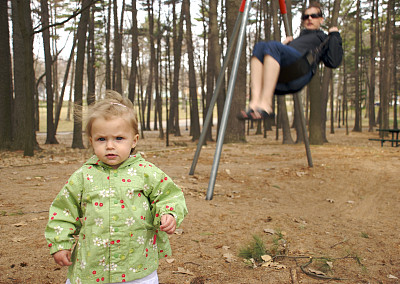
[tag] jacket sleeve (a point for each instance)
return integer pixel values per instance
(165, 197)
(332, 52)
(64, 216)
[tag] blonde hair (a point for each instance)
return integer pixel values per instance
(113, 105)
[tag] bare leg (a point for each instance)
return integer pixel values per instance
(271, 70)
(263, 82)
(264, 77)
(256, 73)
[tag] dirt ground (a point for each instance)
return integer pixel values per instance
(342, 215)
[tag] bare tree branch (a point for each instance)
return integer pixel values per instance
(74, 15)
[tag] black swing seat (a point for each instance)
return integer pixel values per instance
(297, 69)
(306, 63)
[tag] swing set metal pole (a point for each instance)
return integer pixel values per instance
(228, 101)
(217, 91)
(297, 96)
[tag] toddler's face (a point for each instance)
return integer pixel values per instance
(112, 140)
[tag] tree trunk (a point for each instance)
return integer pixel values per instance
(194, 111)
(332, 100)
(134, 54)
(235, 131)
(108, 39)
(149, 89)
(24, 127)
(385, 79)
(212, 55)
(117, 79)
(394, 67)
(371, 101)
(51, 133)
(71, 87)
(177, 39)
(282, 109)
(65, 82)
(77, 141)
(357, 102)
(327, 75)
(6, 91)
(314, 90)
(203, 64)
(91, 57)
(157, 80)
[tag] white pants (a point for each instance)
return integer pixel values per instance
(149, 279)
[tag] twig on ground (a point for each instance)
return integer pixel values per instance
(5, 214)
(293, 275)
(338, 243)
(303, 268)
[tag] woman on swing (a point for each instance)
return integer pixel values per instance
(269, 57)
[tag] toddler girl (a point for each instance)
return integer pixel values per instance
(115, 212)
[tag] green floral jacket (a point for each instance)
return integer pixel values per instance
(112, 217)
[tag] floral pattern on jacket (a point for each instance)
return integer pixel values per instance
(115, 217)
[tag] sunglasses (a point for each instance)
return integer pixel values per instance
(314, 16)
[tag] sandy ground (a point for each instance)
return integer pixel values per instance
(342, 215)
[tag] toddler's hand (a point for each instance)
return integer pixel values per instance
(168, 223)
(63, 257)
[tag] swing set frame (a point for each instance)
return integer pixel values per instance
(238, 36)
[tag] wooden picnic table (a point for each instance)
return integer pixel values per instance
(394, 140)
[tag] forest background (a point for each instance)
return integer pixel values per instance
(166, 56)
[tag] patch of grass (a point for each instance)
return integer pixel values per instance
(279, 244)
(255, 250)
(19, 212)
(357, 258)
(364, 235)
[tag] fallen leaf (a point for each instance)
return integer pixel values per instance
(278, 266)
(251, 261)
(350, 202)
(274, 265)
(269, 231)
(316, 272)
(229, 257)
(20, 224)
(182, 270)
(390, 276)
(330, 264)
(228, 171)
(18, 239)
(170, 260)
(178, 231)
(266, 258)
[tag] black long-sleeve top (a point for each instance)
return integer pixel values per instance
(331, 52)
